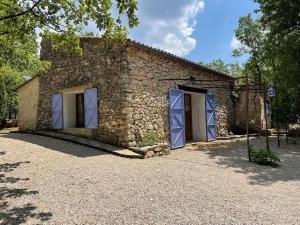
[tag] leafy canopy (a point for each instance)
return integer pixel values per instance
(272, 41)
(233, 69)
(59, 20)
(19, 18)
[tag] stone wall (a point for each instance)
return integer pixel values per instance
(148, 92)
(256, 111)
(104, 66)
(132, 88)
(28, 98)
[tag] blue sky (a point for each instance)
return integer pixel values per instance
(195, 29)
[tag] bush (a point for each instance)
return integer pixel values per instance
(265, 133)
(265, 157)
(149, 139)
(295, 132)
(237, 130)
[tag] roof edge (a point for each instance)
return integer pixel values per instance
(170, 55)
(181, 59)
(26, 82)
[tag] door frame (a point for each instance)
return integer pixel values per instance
(188, 124)
(187, 89)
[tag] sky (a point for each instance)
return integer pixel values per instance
(199, 30)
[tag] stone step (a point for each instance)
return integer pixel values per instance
(118, 151)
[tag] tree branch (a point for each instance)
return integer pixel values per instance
(21, 13)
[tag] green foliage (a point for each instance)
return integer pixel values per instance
(235, 95)
(149, 139)
(218, 65)
(264, 157)
(233, 69)
(273, 44)
(61, 21)
(253, 39)
(294, 132)
(3, 100)
(10, 79)
(67, 18)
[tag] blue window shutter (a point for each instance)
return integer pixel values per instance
(90, 108)
(210, 117)
(176, 117)
(57, 111)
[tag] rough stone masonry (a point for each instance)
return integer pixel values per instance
(132, 82)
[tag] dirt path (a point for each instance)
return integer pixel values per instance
(48, 181)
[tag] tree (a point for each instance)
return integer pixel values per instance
(219, 65)
(273, 44)
(10, 79)
(61, 21)
(281, 18)
(253, 39)
(233, 69)
(67, 18)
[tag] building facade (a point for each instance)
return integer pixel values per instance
(117, 93)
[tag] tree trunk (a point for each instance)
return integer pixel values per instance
(247, 118)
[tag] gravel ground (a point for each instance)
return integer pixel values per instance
(48, 181)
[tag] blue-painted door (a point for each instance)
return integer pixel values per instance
(177, 122)
(57, 111)
(210, 117)
(90, 108)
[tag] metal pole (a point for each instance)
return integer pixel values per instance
(247, 117)
(286, 117)
(277, 117)
(265, 112)
(276, 112)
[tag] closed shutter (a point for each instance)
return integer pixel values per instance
(211, 117)
(177, 122)
(57, 111)
(90, 108)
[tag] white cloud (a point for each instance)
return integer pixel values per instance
(168, 24)
(235, 43)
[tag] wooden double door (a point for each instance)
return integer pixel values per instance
(188, 116)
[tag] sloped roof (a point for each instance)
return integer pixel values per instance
(26, 81)
(171, 56)
(158, 51)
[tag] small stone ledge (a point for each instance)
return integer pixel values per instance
(232, 137)
(152, 151)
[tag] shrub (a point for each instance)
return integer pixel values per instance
(265, 133)
(264, 157)
(238, 130)
(149, 139)
(295, 132)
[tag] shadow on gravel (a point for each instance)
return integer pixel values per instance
(56, 145)
(234, 155)
(14, 215)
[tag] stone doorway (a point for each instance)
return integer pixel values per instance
(195, 116)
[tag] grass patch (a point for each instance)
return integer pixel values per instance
(149, 139)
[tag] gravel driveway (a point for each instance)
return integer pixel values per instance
(48, 181)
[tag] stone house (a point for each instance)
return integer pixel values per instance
(117, 93)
